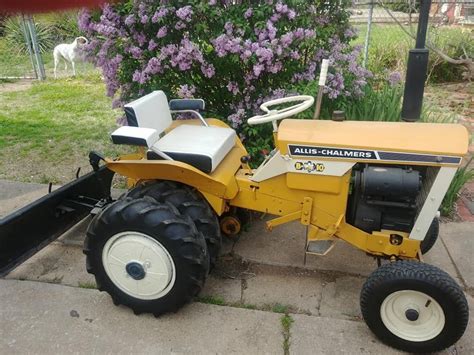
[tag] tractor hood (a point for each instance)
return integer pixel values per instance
(423, 143)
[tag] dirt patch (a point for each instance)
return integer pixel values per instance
(232, 266)
(19, 85)
(455, 99)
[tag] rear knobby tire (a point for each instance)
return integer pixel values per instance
(146, 255)
(189, 203)
(414, 307)
(431, 237)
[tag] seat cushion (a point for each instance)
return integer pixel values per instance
(199, 146)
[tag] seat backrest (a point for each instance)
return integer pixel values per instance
(149, 111)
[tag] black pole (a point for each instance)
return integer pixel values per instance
(416, 69)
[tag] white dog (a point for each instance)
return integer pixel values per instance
(70, 52)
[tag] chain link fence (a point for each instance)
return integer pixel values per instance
(21, 50)
(387, 30)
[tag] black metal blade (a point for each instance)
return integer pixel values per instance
(29, 229)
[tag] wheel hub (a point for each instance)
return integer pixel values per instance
(135, 270)
(230, 225)
(139, 265)
(412, 314)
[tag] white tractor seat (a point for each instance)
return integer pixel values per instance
(203, 147)
(199, 146)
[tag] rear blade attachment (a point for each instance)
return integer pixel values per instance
(31, 228)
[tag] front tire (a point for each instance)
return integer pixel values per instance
(431, 237)
(414, 307)
(146, 255)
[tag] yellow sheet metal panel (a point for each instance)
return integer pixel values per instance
(319, 183)
(218, 204)
(167, 170)
(429, 138)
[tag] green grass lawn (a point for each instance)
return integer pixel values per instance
(47, 129)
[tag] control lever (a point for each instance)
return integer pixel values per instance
(322, 82)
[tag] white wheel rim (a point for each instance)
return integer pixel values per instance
(429, 315)
(139, 265)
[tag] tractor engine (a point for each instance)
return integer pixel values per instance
(384, 197)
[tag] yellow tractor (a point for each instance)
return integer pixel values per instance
(375, 185)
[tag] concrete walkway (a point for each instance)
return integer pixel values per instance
(49, 304)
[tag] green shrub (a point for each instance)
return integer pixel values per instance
(383, 104)
(382, 101)
(63, 25)
(3, 18)
(452, 42)
(389, 46)
(403, 5)
(462, 176)
(14, 34)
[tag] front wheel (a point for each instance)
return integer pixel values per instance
(146, 255)
(431, 237)
(414, 307)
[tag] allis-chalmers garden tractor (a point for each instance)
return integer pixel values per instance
(375, 185)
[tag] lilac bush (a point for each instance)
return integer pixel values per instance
(234, 54)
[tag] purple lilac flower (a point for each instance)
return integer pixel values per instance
(309, 33)
(208, 70)
(186, 91)
(180, 25)
(136, 52)
(350, 33)
(271, 30)
(152, 45)
(116, 103)
(281, 8)
(295, 55)
(257, 69)
(286, 39)
(139, 77)
(322, 20)
(229, 27)
(236, 119)
(144, 19)
(264, 54)
(394, 78)
(84, 20)
(153, 66)
(140, 38)
(275, 67)
(248, 13)
(233, 87)
(212, 2)
(130, 20)
(275, 17)
(298, 33)
(162, 32)
(185, 13)
(162, 12)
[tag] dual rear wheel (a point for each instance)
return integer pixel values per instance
(152, 249)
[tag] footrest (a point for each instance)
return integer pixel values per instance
(320, 247)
